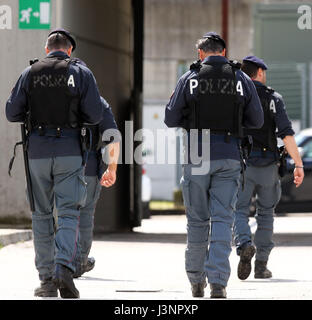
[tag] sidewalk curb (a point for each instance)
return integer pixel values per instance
(15, 236)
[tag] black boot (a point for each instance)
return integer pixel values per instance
(47, 289)
(89, 266)
(217, 291)
(244, 266)
(261, 270)
(198, 289)
(64, 282)
(82, 268)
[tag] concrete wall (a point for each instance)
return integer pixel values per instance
(17, 48)
(172, 28)
(104, 34)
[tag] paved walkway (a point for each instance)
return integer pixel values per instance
(148, 264)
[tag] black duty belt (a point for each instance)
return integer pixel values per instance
(57, 132)
(262, 153)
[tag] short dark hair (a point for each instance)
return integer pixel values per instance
(209, 45)
(250, 69)
(58, 41)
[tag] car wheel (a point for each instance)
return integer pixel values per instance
(146, 210)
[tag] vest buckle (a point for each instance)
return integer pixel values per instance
(227, 138)
(41, 131)
(58, 132)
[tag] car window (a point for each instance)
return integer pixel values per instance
(307, 149)
(300, 138)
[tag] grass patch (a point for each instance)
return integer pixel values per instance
(165, 205)
(161, 205)
(15, 223)
(176, 204)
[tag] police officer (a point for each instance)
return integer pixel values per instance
(213, 95)
(95, 178)
(262, 176)
(55, 96)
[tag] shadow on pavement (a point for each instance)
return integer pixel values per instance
(280, 239)
(142, 237)
(292, 239)
(101, 279)
(275, 280)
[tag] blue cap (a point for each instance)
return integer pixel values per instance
(67, 34)
(257, 61)
(214, 36)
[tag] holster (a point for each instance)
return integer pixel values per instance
(282, 169)
(89, 141)
(84, 145)
(245, 148)
(246, 145)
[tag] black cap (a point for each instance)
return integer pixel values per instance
(257, 61)
(214, 36)
(67, 34)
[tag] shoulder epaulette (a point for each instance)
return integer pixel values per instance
(196, 65)
(236, 64)
(78, 61)
(31, 62)
(271, 90)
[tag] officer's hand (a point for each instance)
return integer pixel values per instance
(298, 176)
(109, 178)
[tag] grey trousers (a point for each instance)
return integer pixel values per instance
(265, 182)
(210, 201)
(56, 180)
(87, 218)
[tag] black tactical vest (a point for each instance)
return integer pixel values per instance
(216, 106)
(51, 103)
(265, 138)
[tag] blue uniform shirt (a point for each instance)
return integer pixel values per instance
(247, 95)
(94, 165)
(283, 126)
(90, 107)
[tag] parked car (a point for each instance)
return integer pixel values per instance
(298, 199)
(146, 194)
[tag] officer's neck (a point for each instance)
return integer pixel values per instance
(57, 51)
(259, 80)
(203, 55)
(58, 54)
(211, 55)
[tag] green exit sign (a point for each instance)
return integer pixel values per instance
(34, 14)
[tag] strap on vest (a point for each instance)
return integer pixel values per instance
(227, 138)
(196, 65)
